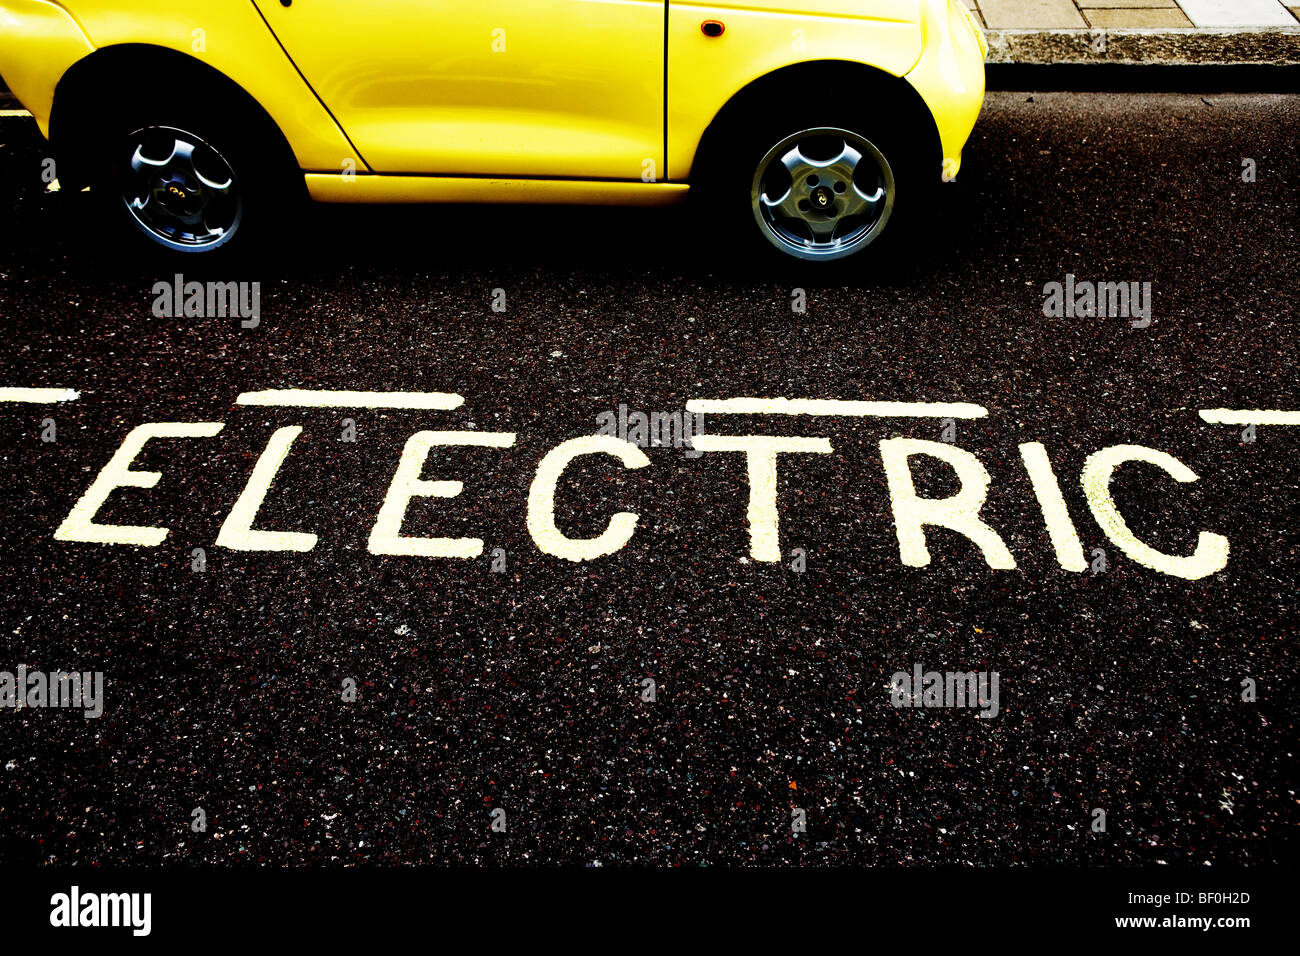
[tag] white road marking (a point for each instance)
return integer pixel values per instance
(80, 523)
(39, 396)
(238, 533)
(1211, 554)
(959, 512)
(328, 398)
(1056, 515)
(14, 113)
(760, 459)
(541, 500)
(386, 537)
(1249, 416)
(834, 406)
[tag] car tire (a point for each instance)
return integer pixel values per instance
(193, 176)
(817, 186)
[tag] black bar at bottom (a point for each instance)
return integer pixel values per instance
(953, 906)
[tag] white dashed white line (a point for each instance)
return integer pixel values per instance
(1249, 416)
(325, 398)
(38, 396)
(834, 407)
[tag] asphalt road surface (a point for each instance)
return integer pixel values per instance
(516, 681)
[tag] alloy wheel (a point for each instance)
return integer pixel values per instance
(180, 190)
(823, 193)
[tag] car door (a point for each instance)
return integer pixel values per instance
(533, 88)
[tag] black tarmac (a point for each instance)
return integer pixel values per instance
(522, 691)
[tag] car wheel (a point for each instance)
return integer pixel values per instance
(822, 193)
(817, 187)
(195, 176)
(178, 189)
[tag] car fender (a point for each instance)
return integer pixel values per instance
(39, 42)
(762, 37)
(233, 39)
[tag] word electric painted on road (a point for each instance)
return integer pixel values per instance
(913, 514)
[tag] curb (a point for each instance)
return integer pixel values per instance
(1146, 47)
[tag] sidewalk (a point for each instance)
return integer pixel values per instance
(1202, 32)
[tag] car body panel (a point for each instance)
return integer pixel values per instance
(763, 36)
(546, 88)
(39, 42)
(950, 75)
(228, 35)
(327, 187)
(611, 97)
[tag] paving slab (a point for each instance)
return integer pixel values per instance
(1139, 18)
(1031, 14)
(1237, 13)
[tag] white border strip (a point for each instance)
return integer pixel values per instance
(834, 406)
(39, 396)
(1258, 416)
(326, 398)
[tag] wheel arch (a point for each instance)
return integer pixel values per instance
(903, 100)
(87, 91)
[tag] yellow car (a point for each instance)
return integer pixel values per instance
(815, 124)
